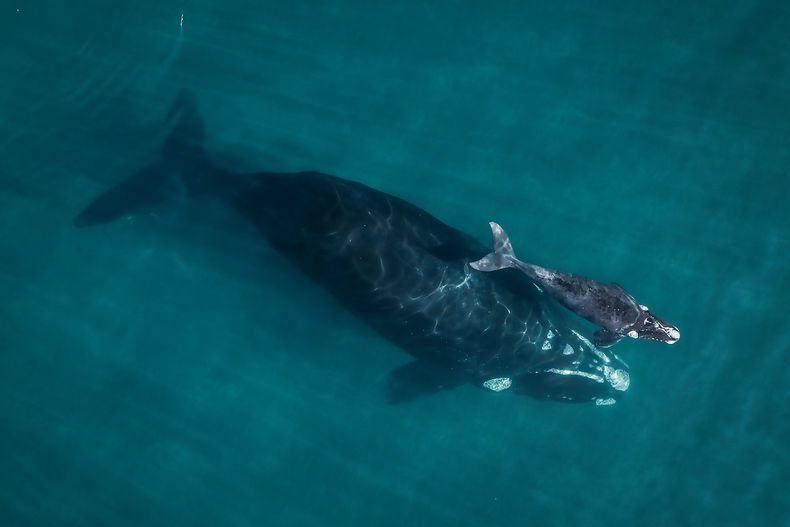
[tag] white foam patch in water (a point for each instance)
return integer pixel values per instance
(619, 379)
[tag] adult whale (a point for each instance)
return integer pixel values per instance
(395, 266)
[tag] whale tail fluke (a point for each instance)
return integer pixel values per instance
(501, 257)
(183, 171)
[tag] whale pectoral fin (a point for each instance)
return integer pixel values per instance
(420, 378)
(603, 338)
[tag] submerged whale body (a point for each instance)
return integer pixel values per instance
(396, 267)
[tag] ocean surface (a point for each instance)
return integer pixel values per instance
(175, 370)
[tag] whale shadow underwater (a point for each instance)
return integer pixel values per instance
(395, 266)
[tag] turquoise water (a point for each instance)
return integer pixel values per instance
(177, 371)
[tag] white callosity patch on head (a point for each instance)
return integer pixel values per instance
(643, 308)
(550, 334)
(619, 379)
(498, 384)
(584, 340)
(577, 373)
(546, 345)
(601, 355)
(604, 402)
(633, 334)
(568, 350)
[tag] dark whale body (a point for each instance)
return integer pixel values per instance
(398, 268)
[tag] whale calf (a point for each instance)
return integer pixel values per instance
(395, 266)
(607, 305)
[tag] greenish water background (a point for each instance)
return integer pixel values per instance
(176, 371)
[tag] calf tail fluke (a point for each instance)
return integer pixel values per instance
(502, 256)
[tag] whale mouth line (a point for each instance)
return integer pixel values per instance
(658, 338)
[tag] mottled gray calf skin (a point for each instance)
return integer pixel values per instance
(606, 305)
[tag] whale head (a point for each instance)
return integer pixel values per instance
(650, 327)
